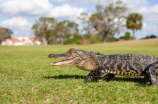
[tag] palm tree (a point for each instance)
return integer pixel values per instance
(134, 22)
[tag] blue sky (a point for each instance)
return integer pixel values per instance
(153, 2)
(20, 15)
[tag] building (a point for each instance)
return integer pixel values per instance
(19, 41)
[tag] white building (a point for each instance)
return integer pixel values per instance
(20, 41)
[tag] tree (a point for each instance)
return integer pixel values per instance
(43, 29)
(5, 33)
(127, 36)
(65, 30)
(108, 20)
(87, 27)
(134, 22)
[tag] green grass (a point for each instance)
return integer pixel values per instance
(26, 76)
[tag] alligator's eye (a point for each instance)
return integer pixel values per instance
(71, 51)
(79, 52)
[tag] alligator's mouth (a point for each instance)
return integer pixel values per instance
(62, 62)
(67, 60)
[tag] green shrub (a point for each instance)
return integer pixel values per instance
(127, 36)
(111, 39)
(69, 41)
(96, 39)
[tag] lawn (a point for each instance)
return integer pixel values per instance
(26, 76)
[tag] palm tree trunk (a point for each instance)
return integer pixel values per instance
(133, 34)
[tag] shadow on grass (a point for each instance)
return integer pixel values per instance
(122, 79)
(65, 77)
(95, 79)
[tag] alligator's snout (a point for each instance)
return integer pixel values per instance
(50, 55)
(63, 56)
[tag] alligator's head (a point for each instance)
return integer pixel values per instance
(76, 57)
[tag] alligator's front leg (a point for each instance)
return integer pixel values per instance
(151, 73)
(98, 72)
(107, 77)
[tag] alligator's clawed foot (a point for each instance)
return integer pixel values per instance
(87, 78)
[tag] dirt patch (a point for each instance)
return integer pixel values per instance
(133, 42)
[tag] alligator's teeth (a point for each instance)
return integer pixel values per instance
(62, 63)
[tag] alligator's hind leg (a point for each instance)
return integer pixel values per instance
(151, 73)
(98, 72)
(107, 77)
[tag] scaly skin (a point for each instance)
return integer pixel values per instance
(118, 64)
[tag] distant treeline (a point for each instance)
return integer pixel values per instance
(101, 26)
(150, 36)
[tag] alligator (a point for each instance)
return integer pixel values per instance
(114, 64)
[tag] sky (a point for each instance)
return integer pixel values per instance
(20, 15)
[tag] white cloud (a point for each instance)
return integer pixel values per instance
(25, 7)
(16, 22)
(19, 11)
(76, 2)
(144, 25)
(135, 4)
(19, 26)
(66, 11)
(149, 12)
(37, 8)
